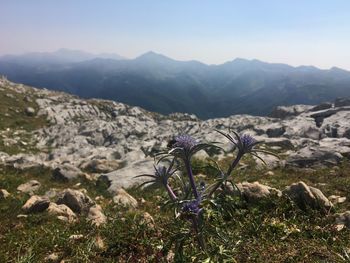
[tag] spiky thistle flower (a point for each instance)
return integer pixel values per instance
(192, 207)
(184, 147)
(161, 178)
(245, 143)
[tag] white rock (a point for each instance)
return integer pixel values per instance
(96, 215)
(307, 196)
(29, 187)
(124, 199)
(62, 211)
(4, 194)
(36, 204)
(75, 200)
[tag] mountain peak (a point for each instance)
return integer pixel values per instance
(151, 55)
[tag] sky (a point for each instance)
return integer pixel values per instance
(296, 32)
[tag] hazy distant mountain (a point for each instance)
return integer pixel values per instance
(61, 56)
(159, 83)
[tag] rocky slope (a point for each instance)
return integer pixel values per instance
(119, 141)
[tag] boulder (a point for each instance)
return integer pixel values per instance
(96, 215)
(271, 161)
(101, 166)
(253, 192)
(124, 199)
(4, 194)
(62, 211)
(125, 177)
(29, 187)
(314, 157)
(66, 173)
(275, 132)
(307, 196)
(75, 200)
(36, 204)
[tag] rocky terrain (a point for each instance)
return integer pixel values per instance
(120, 141)
(59, 151)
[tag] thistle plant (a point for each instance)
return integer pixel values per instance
(191, 196)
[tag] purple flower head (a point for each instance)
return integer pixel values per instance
(185, 142)
(192, 207)
(247, 141)
(162, 174)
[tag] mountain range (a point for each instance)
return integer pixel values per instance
(161, 84)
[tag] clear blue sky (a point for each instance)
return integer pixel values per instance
(308, 32)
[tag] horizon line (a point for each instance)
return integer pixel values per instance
(166, 56)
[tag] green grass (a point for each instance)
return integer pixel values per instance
(274, 230)
(271, 231)
(13, 118)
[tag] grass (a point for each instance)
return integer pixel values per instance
(271, 231)
(15, 123)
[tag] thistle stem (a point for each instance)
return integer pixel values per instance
(191, 178)
(234, 164)
(171, 192)
(228, 173)
(199, 234)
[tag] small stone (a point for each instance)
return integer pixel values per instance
(29, 111)
(342, 220)
(65, 173)
(61, 210)
(96, 215)
(76, 237)
(147, 219)
(336, 199)
(99, 198)
(124, 199)
(4, 194)
(99, 243)
(36, 204)
(307, 196)
(253, 192)
(75, 200)
(52, 193)
(22, 216)
(87, 177)
(29, 187)
(54, 257)
(269, 173)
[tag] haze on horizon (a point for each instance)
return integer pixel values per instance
(298, 32)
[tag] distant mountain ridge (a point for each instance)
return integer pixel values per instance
(159, 83)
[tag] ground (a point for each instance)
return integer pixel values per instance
(272, 231)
